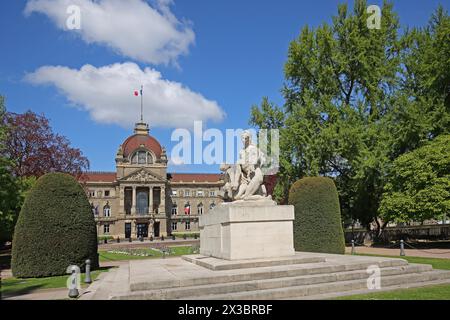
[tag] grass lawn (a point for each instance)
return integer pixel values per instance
(437, 292)
(437, 263)
(15, 286)
(147, 253)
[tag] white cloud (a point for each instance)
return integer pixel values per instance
(107, 94)
(132, 28)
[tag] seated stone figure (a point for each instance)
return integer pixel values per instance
(244, 180)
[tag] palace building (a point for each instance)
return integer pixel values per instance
(141, 199)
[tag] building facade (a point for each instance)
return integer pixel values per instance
(141, 199)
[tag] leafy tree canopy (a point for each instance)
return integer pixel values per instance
(356, 99)
(419, 184)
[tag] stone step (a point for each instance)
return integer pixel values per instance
(263, 273)
(270, 283)
(221, 264)
(297, 292)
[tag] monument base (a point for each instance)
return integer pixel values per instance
(247, 230)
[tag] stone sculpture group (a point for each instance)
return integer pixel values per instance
(244, 180)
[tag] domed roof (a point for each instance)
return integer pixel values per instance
(141, 138)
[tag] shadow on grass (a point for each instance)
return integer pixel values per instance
(13, 292)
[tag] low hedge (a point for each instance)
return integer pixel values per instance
(186, 234)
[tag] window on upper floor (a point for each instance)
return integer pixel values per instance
(94, 209)
(99, 194)
(107, 211)
(199, 193)
(106, 228)
(91, 193)
(212, 205)
(174, 210)
(200, 209)
(142, 157)
(174, 192)
(107, 193)
(212, 193)
(187, 193)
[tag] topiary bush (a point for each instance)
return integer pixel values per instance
(317, 224)
(55, 229)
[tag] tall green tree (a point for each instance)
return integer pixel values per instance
(356, 99)
(10, 197)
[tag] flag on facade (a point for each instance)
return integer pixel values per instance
(187, 210)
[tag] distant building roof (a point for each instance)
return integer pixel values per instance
(99, 176)
(135, 141)
(196, 177)
(175, 177)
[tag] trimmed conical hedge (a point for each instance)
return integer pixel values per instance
(55, 229)
(317, 225)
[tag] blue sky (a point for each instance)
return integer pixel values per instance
(236, 59)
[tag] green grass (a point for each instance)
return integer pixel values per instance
(437, 292)
(437, 263)
(16, 286)
(113, 256)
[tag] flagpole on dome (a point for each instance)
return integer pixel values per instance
(142, 104)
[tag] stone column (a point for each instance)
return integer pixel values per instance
(162, 204)
(150, 204)
(121, 200)
(133, 205)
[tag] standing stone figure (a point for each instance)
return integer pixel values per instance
(244, 180)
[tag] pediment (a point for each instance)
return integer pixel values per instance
(142, 175)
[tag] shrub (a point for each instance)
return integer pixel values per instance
(317, 225)
(55, 229)
(187, 234)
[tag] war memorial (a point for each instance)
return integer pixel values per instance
(247, 253)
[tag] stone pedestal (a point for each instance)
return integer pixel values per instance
(247, 230)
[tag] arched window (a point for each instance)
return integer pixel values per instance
(200, 209)
(107, 210)
(212, 205)
(142, 157)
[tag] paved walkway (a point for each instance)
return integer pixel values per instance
(425, 253)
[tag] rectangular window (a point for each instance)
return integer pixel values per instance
(187, 193)
(106, 228)
(200, 193)
(200, 210)
(174, 192)
(91, 194)
(107, 193)
(188, 225)
(212, 193)
(174, 226)
(174, 210)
